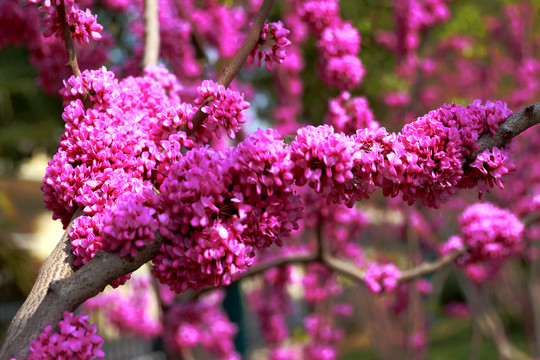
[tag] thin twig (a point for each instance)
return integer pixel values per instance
(427, 268)
(70, 49)
(236, 64)
(151, 33)
(261, 268)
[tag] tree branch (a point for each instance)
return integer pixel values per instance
(427, 268)
(514, 125)
(423, 269)
(236, 64)
(70, 49)
(151, 33)
(59, 288)
(56, 267)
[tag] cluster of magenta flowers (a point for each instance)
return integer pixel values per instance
(135, 173)
(381, 277)
(347, 114)
(491, 236)
(271, 46)
(225, 111)
(216, 208)
(201, 324)
(131, 309)
(76, 338)
(338, 43)
(424, 162)
(83, 24)
(113, 155)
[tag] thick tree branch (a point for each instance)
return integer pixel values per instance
(236, 64)
(59, 288)
(151, 33)
(58, 266)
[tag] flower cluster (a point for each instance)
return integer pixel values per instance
(75, 339)
(347, 114)
(219, 207)
(491, 235)
(111, 154)
(338, 43)
(201, 323)
(202, 224)
(379, 277)
(318, 14)
(225, 111)
(130, 224)
(324, 160)
(261, 167)
(271, 46)
(83, 24)
(324, 338)
(129, 310)
(425, 161)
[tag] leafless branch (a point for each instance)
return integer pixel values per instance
(151, 33)
(514, 125)
(236, 64)
(70, 49)
(427, 268)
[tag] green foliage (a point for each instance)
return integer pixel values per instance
(29, 118)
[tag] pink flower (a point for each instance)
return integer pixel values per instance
(339, 39)
(271, 46)
(75, 339)
(130, 224)
(491, 234)
(348, 114)
(344, 73)
(379, 277)
(225, 110)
